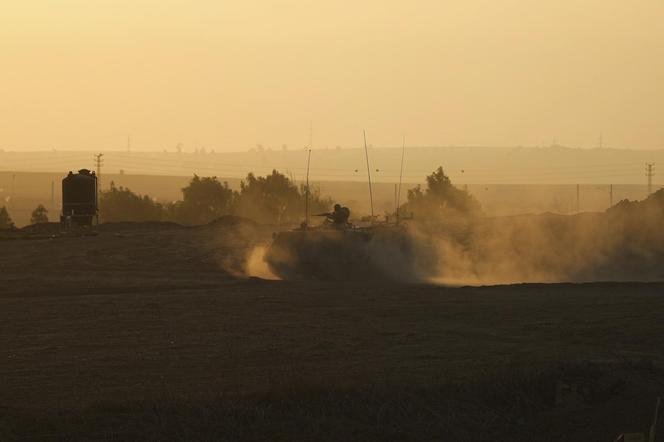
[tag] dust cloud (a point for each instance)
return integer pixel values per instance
(625, 243)
(239, 245)
(256, 266)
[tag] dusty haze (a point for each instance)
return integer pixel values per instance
(516, 295)
(80, 74)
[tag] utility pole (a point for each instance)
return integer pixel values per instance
(99, 161)
(306, 196)
(52, 196)
(306, 190)
(398, 202)
(649, 173)
(610, 195)
(366, 153)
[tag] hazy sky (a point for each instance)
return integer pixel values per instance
(228, 75)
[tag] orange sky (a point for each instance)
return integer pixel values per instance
(227, 75)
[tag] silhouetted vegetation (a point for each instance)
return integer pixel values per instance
(272, 199)
(5, 220)
(121, 204)
(651, 206)
(39, 215)
(440, 198)
(276, 199)
(203, 200)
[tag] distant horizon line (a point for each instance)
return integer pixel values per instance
(381, 182)
(279, 150)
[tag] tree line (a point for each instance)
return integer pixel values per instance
(272, 199)
(39, 215)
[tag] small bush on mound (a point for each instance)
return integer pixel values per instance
(6, 222)
(39, 215)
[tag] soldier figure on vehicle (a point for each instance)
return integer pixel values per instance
(339, 217)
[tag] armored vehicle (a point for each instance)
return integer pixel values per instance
(376, 252)
(339, 250)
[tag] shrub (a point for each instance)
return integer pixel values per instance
(121, 204)
(5, 220)
(39, 215)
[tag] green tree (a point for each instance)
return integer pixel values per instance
(440, 198)
(121, 204)
(204, 199)
(5, 220)
(39, 215)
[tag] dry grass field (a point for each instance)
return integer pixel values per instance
(145, 332)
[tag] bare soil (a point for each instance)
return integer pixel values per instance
(142, 333)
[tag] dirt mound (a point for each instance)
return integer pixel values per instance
(232, 221)
(651, 206)
(139, 226)
(42, 228)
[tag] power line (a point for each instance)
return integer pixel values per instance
(157, 164)
(605, 170)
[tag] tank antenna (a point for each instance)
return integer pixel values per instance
(403, 152)
(366, 153)
(306, 191)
